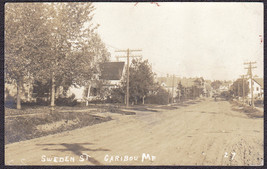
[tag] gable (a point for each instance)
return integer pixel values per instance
(111, 70)
(259, 81)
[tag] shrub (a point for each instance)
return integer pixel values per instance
(226, 95)
(161, 97)
(117, 96)
(66, 101)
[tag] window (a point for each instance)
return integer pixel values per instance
(257, 88)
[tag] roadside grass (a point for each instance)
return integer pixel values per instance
(116, 109)
(32, 110)
(249, 111)
(38, 121)
(21, 128)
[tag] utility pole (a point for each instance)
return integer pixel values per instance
(250, 67)
(172, 87)
(128, 63)
(243, 88)
(238, 90)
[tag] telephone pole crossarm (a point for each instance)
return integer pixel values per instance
(130, 56)
(130, 50)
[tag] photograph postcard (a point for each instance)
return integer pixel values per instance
(134, 83)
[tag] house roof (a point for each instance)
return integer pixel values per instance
(170, 81)
(111, 70)
(259, 81)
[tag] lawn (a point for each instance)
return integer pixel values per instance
(36, 122)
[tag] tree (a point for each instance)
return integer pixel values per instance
(180, 92)
(237, 88)
(216, 84)
(23, 33)
(141, 80)
(78, 50)
(158, 95)
(53, 42)
(63, 55)
(198, 87)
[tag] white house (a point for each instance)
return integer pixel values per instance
(258, 88)
(111, 73)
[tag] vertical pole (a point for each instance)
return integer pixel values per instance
(18, 93)
(127, 96)
(251, 81)
(53, 91)
(252, 97)
(172, 87)
(88, 94)
(243, 87)
(238, 89)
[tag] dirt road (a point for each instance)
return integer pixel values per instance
(205, 133)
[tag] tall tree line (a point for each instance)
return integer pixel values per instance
(52, 42)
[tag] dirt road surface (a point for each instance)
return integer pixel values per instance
(205, 133)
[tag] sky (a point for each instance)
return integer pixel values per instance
(210, 40)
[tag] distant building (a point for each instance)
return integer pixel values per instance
(258, 88)
(170, 83)
(225, 86)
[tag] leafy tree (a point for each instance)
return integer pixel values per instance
(237, 88)
(180, 92)
(158, 95)
(141, 81)
(198, 87)
(227, 94)
(23, 39)
(117, 95)
(216, 84)
(192, 92)
(53, 42)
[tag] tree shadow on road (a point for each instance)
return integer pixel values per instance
(76, 148)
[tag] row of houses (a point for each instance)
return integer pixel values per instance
(169, 83)
(111, 74)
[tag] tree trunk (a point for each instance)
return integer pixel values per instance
(53, 86)
(88, 95)
(19, 83)
(144, 99)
